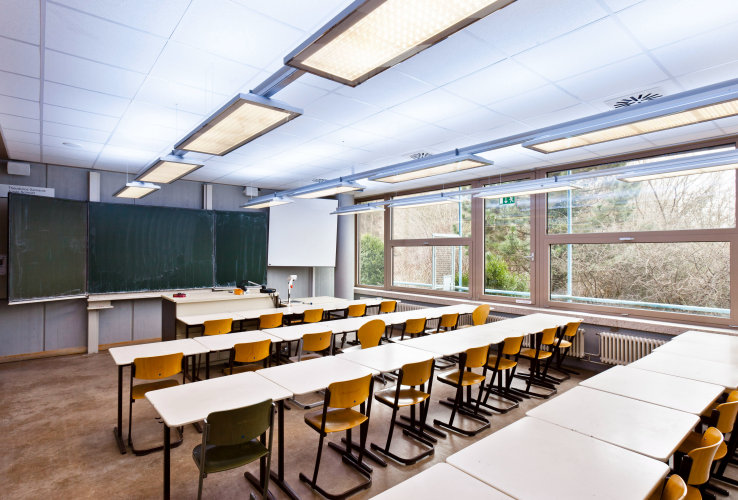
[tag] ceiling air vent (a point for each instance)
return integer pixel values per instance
(318, 180)
(418, 156)
(635, 98)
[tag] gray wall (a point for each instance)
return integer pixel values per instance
(49, 326)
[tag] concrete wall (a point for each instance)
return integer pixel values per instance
(51, 326)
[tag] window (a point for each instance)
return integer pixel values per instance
(431, 267)
(441, 220)
(370, 229)
(507, 252)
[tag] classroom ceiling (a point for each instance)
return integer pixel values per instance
(113, 84)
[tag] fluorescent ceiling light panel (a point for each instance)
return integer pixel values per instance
(358, 209)
(271, 201)
(684, 166)
(422, 201)
(524, 189)
(370, 36)
(137, 189)
(318, 191)
(168, 169)
(424, 168)
(241, 120)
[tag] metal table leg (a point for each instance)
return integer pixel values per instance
(118, 431)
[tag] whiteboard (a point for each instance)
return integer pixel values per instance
(303, 234)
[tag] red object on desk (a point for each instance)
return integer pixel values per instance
(180, 295)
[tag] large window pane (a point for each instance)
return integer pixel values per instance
(507, 253)
(689, 278)
(442, 220)
(432, 268)
(370, 228)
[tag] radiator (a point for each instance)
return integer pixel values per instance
(620, 349)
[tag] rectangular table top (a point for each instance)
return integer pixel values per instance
(532, 459)
(126, 354)
(386, 357)
(439, 482)
(711, 339)
(645, 428)
(679, 393)
(446, 343)
(188, 403)
(722, 374)
(702, 351)
(228, 340)
(314, 374)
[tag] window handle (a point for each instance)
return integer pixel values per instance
(532, 257)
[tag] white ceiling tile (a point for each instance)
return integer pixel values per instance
(149, 138)
(120, 159)
(19, 123)
(78, 133)
(86, 74)
(339, 109)
(536, 102)
(235, 32)
(11, 135)
(455, 57)
(616, 5)
(196, 68)
(298, 94)
(496, 82)
(84, 147)
(23, 151)
(352, 137)
(433, 106)
(387, 89)
(473, 121)
(93, 38)
(309, 128)
(158, 17)
(166, 93)
(598, 44)
(19, 57)
(428, 134)
(388, 124)
(708, 76)
(20, 86)
(79, 118)
(60, 156)
(307, 16)
(677, 19)
(21, 20)
(321, 83)
(142, 114)
(525, 24)
(19, 107)
(275, 140)
(559, 116)
(700, 52)
(84, 100)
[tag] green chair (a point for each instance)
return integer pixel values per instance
(233, 438)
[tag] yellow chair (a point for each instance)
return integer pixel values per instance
(356, 311)
(448, 322)
(314, 343)
(413, 327)
(217, 326)
(674, 489)
(695, 466)
(563, 345)
(465, 378)
(387, 306)
(505, 362)
(159, 369)
(273, 320)
(538, 370)
(479, 316)
(370, 333)
(410, 376)
(338, 415)
(248, 353)
(312, 316)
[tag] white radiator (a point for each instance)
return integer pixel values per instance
(620, 349)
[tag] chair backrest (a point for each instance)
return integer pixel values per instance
(356, 310)
(312, 316)
(273, 320)
(349, 393)
(251, 352)
(370, 333)
(675, 488)
(728, 412)
(548, 336)
(512, 345)
(572, 328)
(702, 457)
(414, 374)
(240, 425)
(479, 316)
(217, 326)
(317, 341)
(415, 326)
(476, 356)
(449, 320)
(156, 367)
(387, 306)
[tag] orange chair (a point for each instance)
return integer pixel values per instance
(448, 322)
(312, 316)
(479, 316)
(387, 306)
(217, 326)
(505, 362)
(674, 489)
(356, 311)
(273, 320)
(369, 334)
(248, 353)
(413, 327)
(695, 466)
(315, 344)
(562, 346)
(538, 370)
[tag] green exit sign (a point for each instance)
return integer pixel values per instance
(507, 200)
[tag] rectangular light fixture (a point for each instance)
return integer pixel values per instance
(687, 166)
(137, 189)
(370, 36)
(419, 169)
(687, 108)
(358, 209)
(329, 189)
(241, 120)
(168, 169)
(422, 201)
(525, 188)
(268, 201)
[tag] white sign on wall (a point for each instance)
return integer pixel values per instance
(34, 190)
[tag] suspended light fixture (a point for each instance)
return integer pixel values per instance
(525, 188)
(429, 167)
(137, 189)
(268, 201)
(370, 36)
(241, 120)
(168, 169)
(358, 209)
(684, 166)
(421, 201)
(329, 188)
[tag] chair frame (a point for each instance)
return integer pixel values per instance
(502, 391)
(293, 399)
(536, 376)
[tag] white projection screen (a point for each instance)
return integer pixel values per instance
(303, 234)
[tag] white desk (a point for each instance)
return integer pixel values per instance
(679, 393)
(296, 332)
(446, 343)
(441, 482)
(386, 357)
(186, 404)
(226, 341)
(645, 428)
(709, 339)
(533, 459)
(124, 356)
(701, 351)
(692, 368)
(314, 374)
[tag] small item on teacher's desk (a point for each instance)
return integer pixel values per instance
(238, 291)
(179, 295)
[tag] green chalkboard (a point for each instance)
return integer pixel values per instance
(47, 247)
(138, 248)
(240, 247)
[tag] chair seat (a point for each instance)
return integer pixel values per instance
(140, 390)
(337, 419)
(505, 364)
(564, 344)
(453, 377)
(531, 353)
(220, 458)
(694, 440)
(408, 397)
